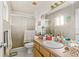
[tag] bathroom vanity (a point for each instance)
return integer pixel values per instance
(40, 50)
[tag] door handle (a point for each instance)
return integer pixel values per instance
(3, 45)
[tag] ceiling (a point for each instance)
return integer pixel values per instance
(28, 7)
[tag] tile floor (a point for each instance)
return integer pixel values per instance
(22, 52)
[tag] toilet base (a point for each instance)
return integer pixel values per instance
(30, 50)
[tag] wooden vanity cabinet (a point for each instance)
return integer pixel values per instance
(44, 52)
(40, 51)
(36, 53)
(36, 46)
(52, 54)
(36, 49)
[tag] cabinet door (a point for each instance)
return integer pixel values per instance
(36, 46)
(36, 53)
(44, 52)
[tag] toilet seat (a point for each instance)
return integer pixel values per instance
(28, 45)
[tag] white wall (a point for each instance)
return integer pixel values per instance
(1, 29)
(77, 24)
(5, 25)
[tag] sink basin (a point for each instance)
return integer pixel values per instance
(53, 44)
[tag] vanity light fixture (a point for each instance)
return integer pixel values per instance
(56, 4)
(34, 3)
(52, 7)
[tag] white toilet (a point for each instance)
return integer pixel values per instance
(28, 37)
(29, 47)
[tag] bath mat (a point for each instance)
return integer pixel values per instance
(13, 54)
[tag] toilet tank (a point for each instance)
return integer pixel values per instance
(29, 35)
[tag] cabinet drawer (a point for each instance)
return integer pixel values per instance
(44, 52)
(36, 53)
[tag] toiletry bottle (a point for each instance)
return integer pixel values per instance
(62, 39)
(44, 37)
(49, 37)
(53, 37)
(58, 37)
